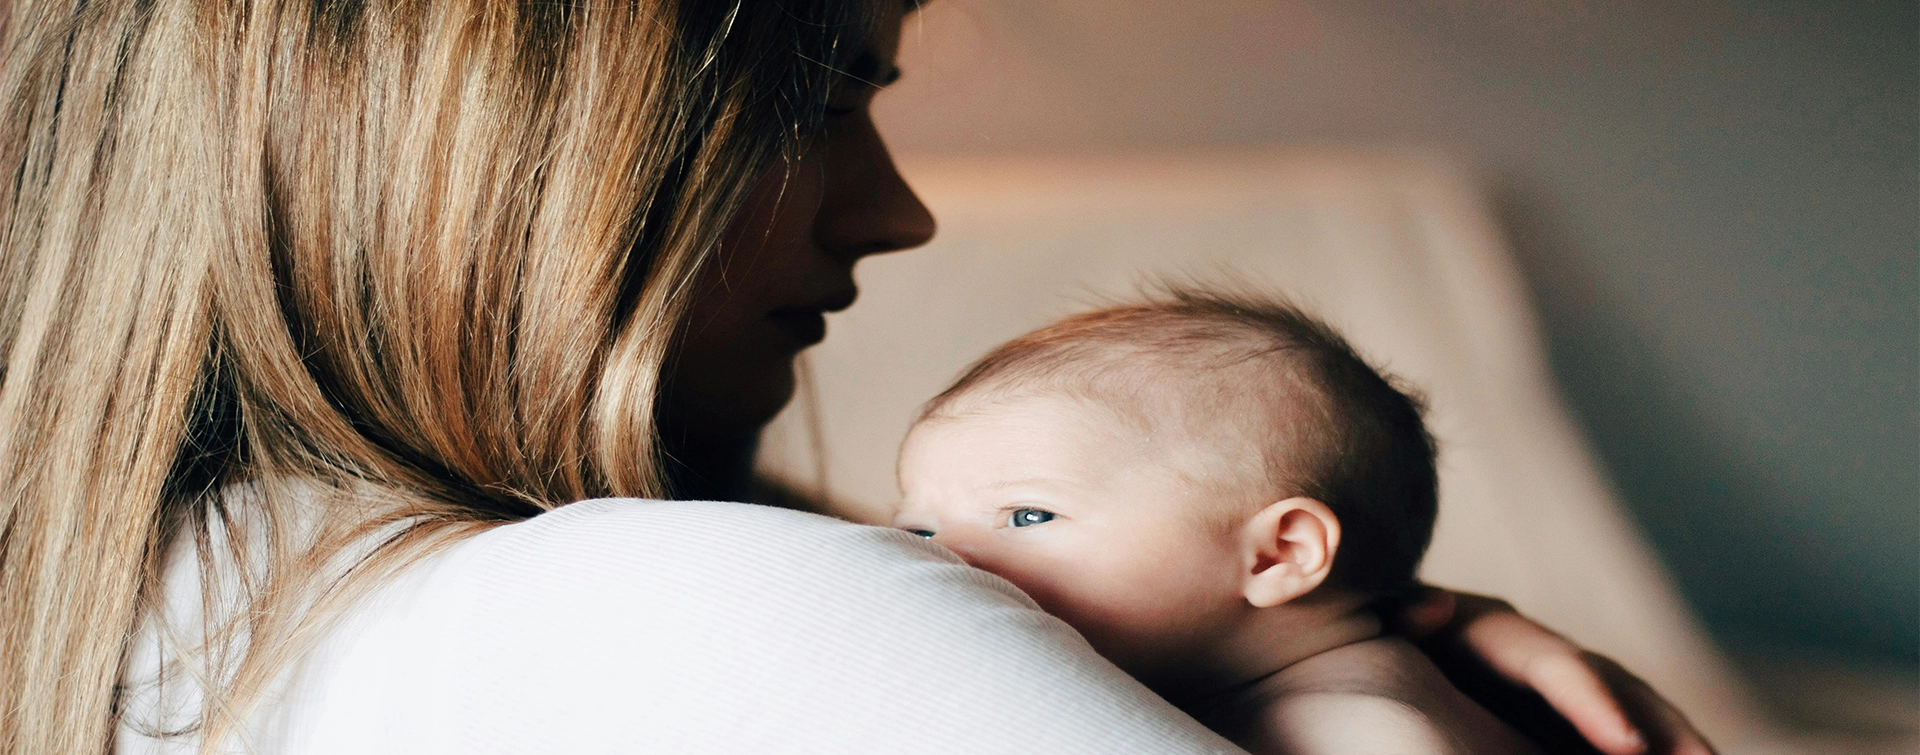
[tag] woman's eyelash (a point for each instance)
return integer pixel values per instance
(845, 105)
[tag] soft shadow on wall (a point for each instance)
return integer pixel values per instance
(1715, 203)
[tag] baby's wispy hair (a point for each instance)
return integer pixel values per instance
(1341, 431)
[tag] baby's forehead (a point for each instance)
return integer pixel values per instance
(1176, 414)
(1205, 384)
(1031, 414)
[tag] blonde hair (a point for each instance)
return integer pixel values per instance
(427, 257)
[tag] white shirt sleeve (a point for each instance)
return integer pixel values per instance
(623, 626)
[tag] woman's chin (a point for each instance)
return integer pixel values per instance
(728, 403)
(752, 413)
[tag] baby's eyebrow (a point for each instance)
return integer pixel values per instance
(1024, 482)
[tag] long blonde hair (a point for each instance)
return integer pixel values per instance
(427, 255)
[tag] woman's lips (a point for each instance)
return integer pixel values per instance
(807, 324)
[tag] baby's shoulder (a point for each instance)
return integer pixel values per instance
(1350, 723)
(1381, 697)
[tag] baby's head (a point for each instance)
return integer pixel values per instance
(1156, 474)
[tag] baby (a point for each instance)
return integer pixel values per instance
(1214, 491)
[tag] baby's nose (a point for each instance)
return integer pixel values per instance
(908, 518)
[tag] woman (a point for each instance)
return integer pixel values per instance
(311, 310)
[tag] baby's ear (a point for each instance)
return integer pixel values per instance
(1288, 550)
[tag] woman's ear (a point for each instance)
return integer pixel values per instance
(1289, 550)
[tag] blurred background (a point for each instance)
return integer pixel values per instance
(1715, 207)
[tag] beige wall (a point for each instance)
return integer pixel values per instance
(1715, 204)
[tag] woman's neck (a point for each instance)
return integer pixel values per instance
(709, 469)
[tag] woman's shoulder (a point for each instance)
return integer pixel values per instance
(629, 545)
(626, 625)
(693, 573)
(690, 527)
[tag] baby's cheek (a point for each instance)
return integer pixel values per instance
(1161, 598)
(1166, 608)
(1140, 601)
(1129, 614)
(1071, 588)
(1104, 617)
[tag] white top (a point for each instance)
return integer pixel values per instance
(666, 627)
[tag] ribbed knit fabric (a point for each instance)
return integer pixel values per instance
(626, 626)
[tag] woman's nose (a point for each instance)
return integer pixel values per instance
(866, 207)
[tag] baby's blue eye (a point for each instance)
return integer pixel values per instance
(1030, 517)
(922, 533)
